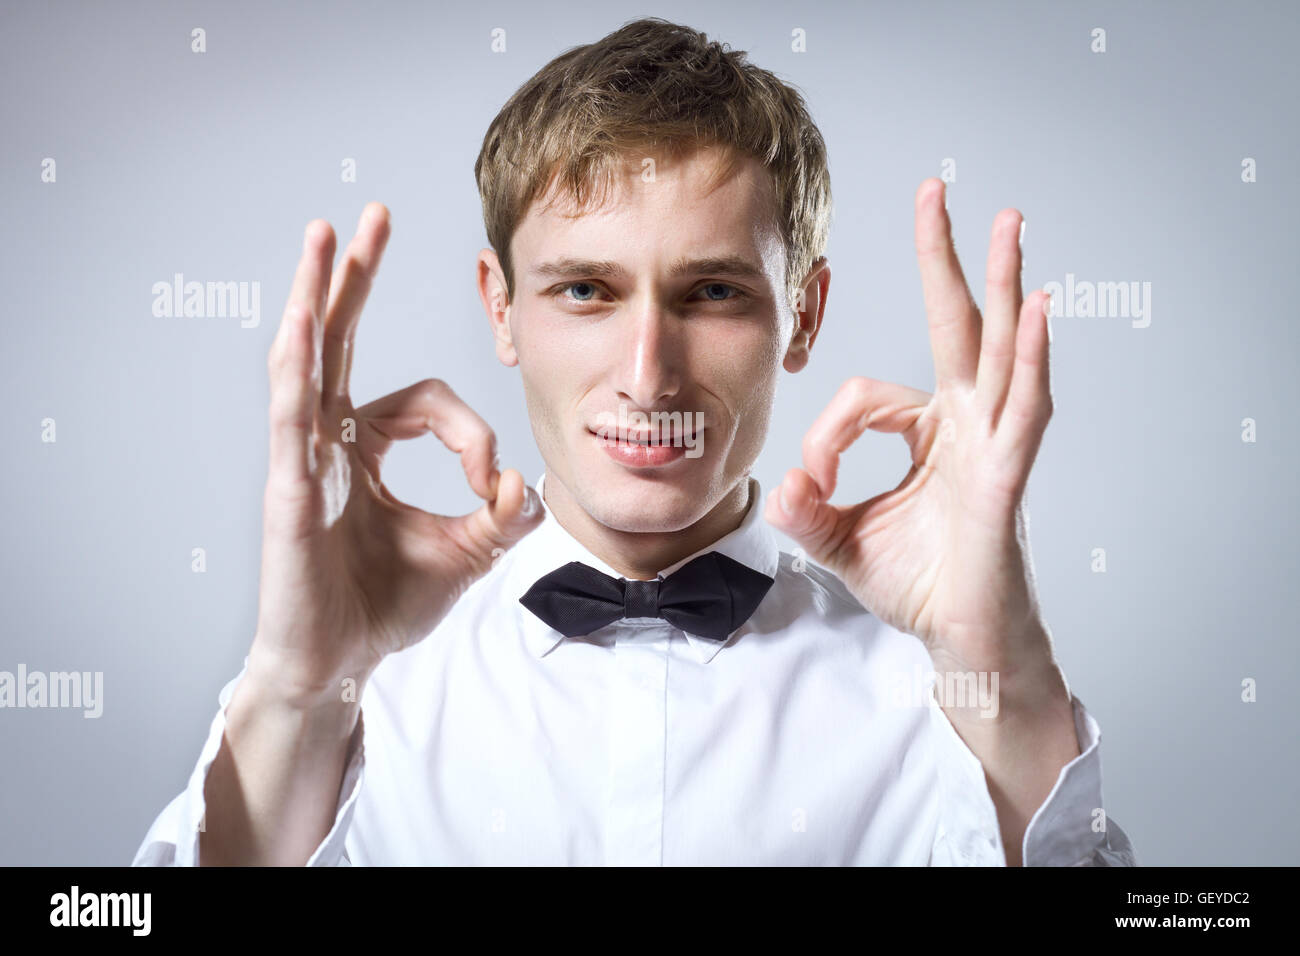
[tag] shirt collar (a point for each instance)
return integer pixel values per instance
(550, 546)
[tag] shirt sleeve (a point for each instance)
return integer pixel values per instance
(173, 839)
(1070, 828)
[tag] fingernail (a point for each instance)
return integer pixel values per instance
(532, 503)
(785, 504)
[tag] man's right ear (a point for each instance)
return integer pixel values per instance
(496, 302)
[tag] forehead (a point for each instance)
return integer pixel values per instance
(691, 203)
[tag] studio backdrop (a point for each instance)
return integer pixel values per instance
(150, 145)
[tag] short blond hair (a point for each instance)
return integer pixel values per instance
(658, 86)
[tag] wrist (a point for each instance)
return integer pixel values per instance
(283, 681)
(271, 726)
(1037, 684)
(1011, 678)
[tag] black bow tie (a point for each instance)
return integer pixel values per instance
(711, 596)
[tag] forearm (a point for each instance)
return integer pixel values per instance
(1023, 747)
(272, 791)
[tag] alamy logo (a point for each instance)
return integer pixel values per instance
(673, 429)
(1082, 299)
(208, 300)
(102, 909)
(961, 690)
(73, 689)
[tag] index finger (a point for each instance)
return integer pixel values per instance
(432, 406)
(860, 403)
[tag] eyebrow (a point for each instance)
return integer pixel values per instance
(605, 268)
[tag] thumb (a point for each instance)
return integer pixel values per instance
(503, 521)
(796, 508)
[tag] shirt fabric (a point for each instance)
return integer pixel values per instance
(809, 737)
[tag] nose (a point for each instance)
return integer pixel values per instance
(650, 373)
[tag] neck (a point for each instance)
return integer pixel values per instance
(639, 555)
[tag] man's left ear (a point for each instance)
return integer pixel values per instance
(808, 310)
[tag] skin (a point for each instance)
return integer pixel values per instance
(351, 574)
(707, 344)
(944, 555)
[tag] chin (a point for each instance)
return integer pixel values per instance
(645, 501)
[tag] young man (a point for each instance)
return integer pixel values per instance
(621, 667)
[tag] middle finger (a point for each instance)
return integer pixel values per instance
(348, 292)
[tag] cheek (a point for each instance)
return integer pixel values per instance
(541, 357)
(744, 368)
(535, 374)
(553, 372)
(755, 409)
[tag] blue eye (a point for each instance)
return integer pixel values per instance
(713, 292)
(724, 287)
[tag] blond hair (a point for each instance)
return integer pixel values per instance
(660, 86)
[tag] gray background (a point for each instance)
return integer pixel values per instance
(1126, 166)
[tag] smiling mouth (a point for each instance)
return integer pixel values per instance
(647, 438)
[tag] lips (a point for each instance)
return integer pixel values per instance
(641, 455)
(647, 438)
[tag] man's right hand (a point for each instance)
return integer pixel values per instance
(350, 574)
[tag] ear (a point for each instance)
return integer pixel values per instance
(496, 302)
(808, 311)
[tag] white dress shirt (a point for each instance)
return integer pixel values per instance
(809, 737)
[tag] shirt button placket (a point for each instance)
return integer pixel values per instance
(638, 723)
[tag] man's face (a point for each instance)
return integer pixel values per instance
(663, 300)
